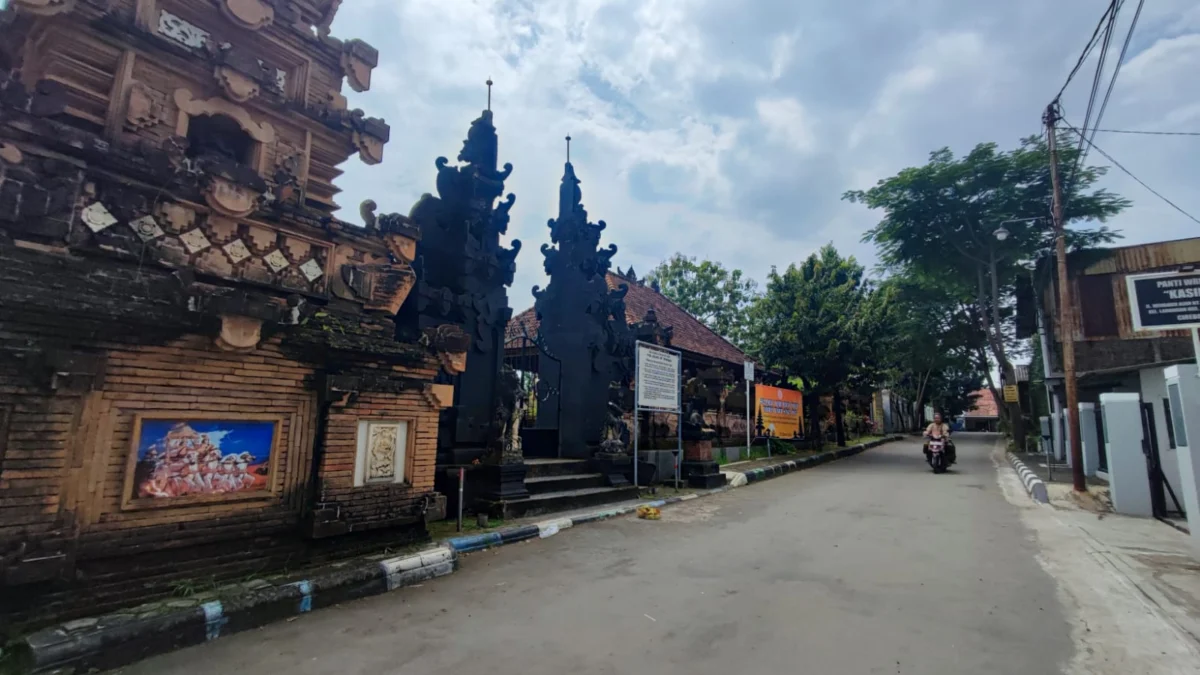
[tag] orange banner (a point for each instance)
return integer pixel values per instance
(781, 411)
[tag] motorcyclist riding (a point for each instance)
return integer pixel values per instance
(939, 429)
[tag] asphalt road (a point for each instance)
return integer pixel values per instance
(871, 564)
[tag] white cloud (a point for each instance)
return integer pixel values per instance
(756, 117)
(787, 121)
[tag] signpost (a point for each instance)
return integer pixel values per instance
(1166, 301)
(749, 374)
(658, 383)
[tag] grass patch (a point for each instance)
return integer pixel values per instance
(446, 529)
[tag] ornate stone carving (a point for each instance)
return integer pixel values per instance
(236, 86)
(249, 14)
(44, 7)
(146, 228)
(276, 260)
(186, 34)
(237, 251)
(370, 149)
(230, 199)
(358, 59)
(311, 269)
(451, 344)
(327, 19)
(144, 109)
(194, 240)
(239, 333)
(381, 451)
(97, 217)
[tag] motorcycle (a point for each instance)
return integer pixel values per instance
(938, 457)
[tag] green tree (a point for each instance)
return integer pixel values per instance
(813, 321)
(942, 220)
(708, 291)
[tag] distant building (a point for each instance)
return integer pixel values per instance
(984, 415)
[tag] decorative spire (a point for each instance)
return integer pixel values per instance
(568, 148)
(489, 86)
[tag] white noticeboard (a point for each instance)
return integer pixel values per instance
(749, 371)
(658, 373)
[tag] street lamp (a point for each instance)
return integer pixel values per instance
(1001, 233)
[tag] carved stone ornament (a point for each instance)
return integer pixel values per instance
(276, 260)
(250, 14)
(143, 110)
(370, 149)
(194, 240)
(186, 34)
(239, 333)
(237, 251)
(311, 270)
(451, 344)
(236, 86)
(146, 228)
(358, 59)
(230, 199)
(96, 217)
(44, 7)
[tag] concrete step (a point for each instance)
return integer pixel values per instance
(575, 481)
(565, 500)
(541, 468)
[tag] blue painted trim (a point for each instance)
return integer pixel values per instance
(214, 618)
(305, 595)
(476, 542)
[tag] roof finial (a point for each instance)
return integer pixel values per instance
(489, 85)
(568, 148)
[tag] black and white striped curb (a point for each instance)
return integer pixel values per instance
(740, 478)
(1033, 484)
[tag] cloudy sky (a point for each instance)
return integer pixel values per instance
(729, 130)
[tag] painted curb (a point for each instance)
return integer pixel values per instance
(122, 638)
(740, 478)
(1033, 485)
(118, 639)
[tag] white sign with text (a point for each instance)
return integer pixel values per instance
(658, 378)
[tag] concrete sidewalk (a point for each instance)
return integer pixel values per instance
(1131, 586)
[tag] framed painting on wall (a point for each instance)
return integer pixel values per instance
(176, 459)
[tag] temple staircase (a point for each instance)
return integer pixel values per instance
(565, 484)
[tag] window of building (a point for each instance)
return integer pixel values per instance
(1176, 404)
(382, 452)
(1170, 423)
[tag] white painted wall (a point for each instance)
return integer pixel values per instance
(1154, 390)
(1129, 481)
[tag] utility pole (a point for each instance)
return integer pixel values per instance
(1066, 334)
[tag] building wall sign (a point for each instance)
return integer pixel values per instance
(1164, 301)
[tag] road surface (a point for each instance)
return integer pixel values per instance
(870, 564)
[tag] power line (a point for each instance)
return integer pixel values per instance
(1116, 71)
(1087, 49)
(1129, 173)
(1146, 133)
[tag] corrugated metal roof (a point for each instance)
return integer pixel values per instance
(1147, 257)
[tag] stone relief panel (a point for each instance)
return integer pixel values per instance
(382, 451)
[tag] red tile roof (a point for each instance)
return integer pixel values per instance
(690, 334)
(985, 405)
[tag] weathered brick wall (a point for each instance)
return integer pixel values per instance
(373, 506)
(62, 475)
